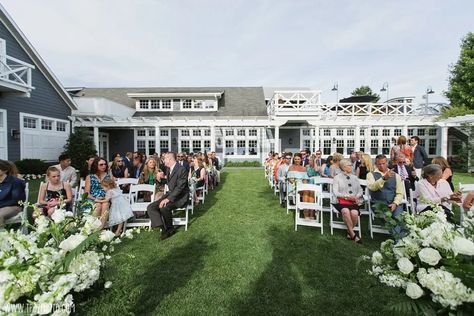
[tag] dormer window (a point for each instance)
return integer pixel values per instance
(176, 101)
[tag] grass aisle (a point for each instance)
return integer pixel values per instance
(240, 256)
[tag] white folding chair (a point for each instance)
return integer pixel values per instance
(140, 206)
(290, 197)
(412, 202)
(123, 181)
(77, 193)
(184, 221)
(373, 228)
(336, 224)
(21, 217)
(326, 190)
(316, 206)
(464, 189)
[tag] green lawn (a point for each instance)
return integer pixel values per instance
(241, 256)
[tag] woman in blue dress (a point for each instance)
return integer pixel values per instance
(95, 192)
(298, 174)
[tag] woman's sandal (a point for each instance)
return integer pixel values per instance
(356, 238)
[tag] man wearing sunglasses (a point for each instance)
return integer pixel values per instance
(183, 161)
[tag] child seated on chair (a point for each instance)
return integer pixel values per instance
(119, 210)
(53, 191)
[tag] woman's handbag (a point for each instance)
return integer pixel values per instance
(345, 202)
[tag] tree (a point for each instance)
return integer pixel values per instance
(79, 146)
(461, 81)
(365, 90)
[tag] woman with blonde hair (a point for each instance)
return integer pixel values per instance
(447, 171)
(334, 170)
(151, 174)
(365, 167)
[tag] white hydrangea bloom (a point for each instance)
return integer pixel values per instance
(414, 291)
(58, 215)
(405, 265)
(86, 267)
(106, 236)
(377, 258)
(463, 246)
(430, 256)
(72, 242)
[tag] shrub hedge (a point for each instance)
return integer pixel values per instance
(32, 166)
(243, 164)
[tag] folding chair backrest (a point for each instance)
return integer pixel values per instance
(318, 198)
(39, 191)
(121, 181)
(133, 196)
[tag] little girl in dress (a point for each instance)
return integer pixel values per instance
(119, 210)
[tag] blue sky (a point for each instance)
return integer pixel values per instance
(118, 43)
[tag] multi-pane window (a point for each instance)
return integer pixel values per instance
(362, 132)
(240, 132)
(327, 147)
(386, 146)
(143, 104)
(253, 150)
(340, 146)
(252, 132)
(198, 104)
(196, 146)
(350, 132)
(397, 132)
(166, 104)
(306, 143)
(184, 146)
(340, 132)
(29, 122)
(164, 133)
(47, 125)
(241, 147)
(61, 126)
(306, 132)
(411, 132)
(141, 145)
(196, 132)
(184, 132)
(421, 132)
(187, 104)
(207, 132)
(141, 132)
(362, 145)
(432, 146)
(229, 132)
(374, 146)
(164, 145)
(350, 145)
(207, 145)
(422, 142)
(151, 132)
(229, 147)
(433, 132)
(374, 132)
(155, 104)
(151, 147)
(327, 132)
(385, 132)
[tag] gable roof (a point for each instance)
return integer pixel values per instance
(235, 101)
(35, 57)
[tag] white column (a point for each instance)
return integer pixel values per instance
(157, 140)
(405, 131)
(368, 138)
(357, 138)
(444, 141)
(277, 139)
(147, 147)
(317, 146)
(96, 140)
(213, 138)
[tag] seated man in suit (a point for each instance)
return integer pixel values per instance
(407, 173)
(176, 197)
(385, 187)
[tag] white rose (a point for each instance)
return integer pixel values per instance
(72, 242)
(405, 265)
(414, 291)
(58, 216)
(463, 246)
(430, 256)
(106, 236)
(377, 258)
(108, 284)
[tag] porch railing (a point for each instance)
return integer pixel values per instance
(16, 73)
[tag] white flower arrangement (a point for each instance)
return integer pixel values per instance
(61, 255)
(431, 262)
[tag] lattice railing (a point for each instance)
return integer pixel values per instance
(16, 72)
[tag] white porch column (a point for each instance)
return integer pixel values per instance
(157, 140)
(368, 139)
(444, 141)
(405, 132)
(317, 146)
(357, 139)
(96, 139)
(277, 139)
(213, 138)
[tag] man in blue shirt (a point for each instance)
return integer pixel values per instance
(12, 191)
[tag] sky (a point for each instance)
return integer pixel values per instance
(409, 45)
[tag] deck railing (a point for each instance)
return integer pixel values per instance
(16, 74)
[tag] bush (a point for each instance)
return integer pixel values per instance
(79, 146)
(242, 164)
(31, 166)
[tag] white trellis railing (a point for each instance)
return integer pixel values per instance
(307, 103)
(16, 74)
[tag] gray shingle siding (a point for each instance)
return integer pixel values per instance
(44, 99)
(235, 101)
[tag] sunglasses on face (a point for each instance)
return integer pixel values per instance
(102, 164)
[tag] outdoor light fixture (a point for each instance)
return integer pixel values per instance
(336, 88)
(219, 141)
(290, 141)
(385, 88)
(429, 91)
(15, 134)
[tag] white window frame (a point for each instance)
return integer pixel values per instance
(202, 137)
(149, 108)
(193, 108)
(147, 137)
(245, 138)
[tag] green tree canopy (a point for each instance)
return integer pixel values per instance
(365, 90)
(79, 146)
(461, 80)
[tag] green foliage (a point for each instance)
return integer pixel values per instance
(79, 146)
(81, 248)
(455, 110)
(365, 90)
(413, 307)
(465, 153)
(461, 81)
(243, 164)
(31, 166)
(382, 211)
